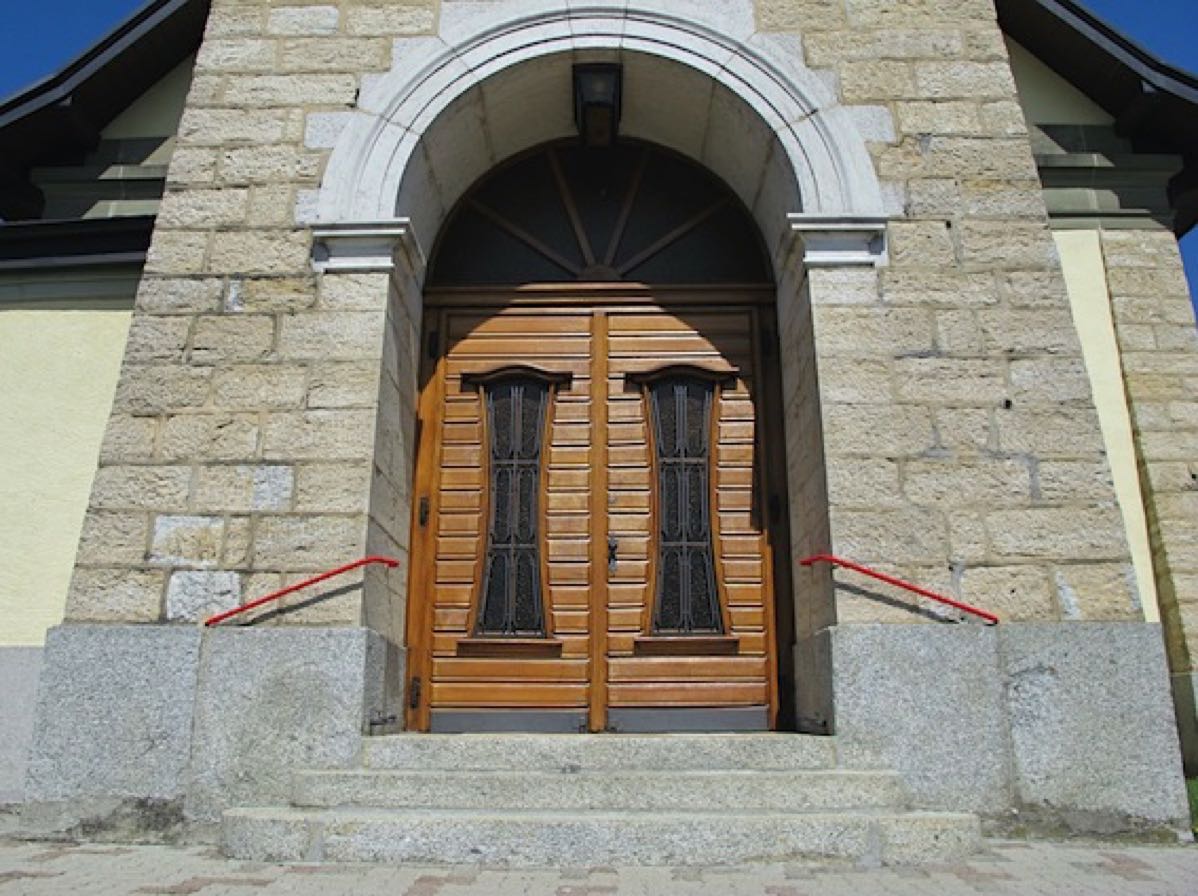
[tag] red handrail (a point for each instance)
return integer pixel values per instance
(990, 618)
(283, 592)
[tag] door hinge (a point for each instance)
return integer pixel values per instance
(422, 515)
(414, 693)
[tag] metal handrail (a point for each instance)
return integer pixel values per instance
(283, 592)
(990, 618)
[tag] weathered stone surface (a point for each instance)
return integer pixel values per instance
(258, 252)
(111, 537)
(260, 386)
(210, 437)
(187, 540)
(319, 435)
(332, 488)
(193, 596)
(271, 700)
(115, 595)
(303, 20)
(1091, 743)
(141, 488)
(307, 542)
(391, 19)
(332, 336)
(19, 670)
(114, 714)
(244, 488)
(1092, 725)
(540, 839)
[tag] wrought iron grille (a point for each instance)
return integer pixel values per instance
(511, 596)
(687, 599)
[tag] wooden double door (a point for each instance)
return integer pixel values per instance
(592, 544)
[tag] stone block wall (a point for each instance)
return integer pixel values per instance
(962, 447)
(1158, 347)
(240, 455)
(263, 424)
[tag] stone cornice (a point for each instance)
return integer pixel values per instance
(838, 241)
(358, 247)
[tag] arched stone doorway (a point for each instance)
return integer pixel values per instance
(599, 540)
(747, 111)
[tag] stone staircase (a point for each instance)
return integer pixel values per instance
(582, 800)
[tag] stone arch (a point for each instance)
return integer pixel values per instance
(496, 81)
(740, 102)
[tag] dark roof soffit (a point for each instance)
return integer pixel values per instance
(1100, 61)
(59, 86)
(1154, 104)
(59, 119)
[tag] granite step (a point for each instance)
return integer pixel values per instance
(596, 752)
(544, 838)
(610, 790)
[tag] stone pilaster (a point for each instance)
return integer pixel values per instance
(1158, 343)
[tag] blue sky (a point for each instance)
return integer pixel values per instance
(44, 36)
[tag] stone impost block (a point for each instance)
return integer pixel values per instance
(113, 723)
(273, 700)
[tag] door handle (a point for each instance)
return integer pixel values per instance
(612, 547)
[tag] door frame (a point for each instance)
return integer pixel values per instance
(598, 299)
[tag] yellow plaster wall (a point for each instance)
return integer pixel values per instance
(1085, 279)
(1046, 97)
(58, 366)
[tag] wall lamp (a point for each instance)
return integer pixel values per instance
(598, 89)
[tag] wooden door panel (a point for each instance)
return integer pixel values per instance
(715, 341)
(480, 344)
(598, 481)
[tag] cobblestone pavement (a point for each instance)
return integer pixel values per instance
(1059, 869)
